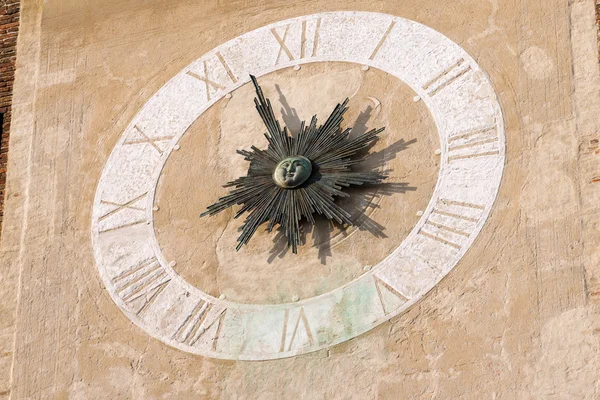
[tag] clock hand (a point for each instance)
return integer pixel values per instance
(280, 142)
(269, 192)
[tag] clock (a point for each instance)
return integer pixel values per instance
(157, 258)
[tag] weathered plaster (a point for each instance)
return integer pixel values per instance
(516, 318)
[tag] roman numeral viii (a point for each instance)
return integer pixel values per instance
(140, 285)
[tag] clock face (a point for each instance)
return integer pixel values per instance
(179, 277)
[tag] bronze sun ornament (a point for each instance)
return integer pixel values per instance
(297, 176)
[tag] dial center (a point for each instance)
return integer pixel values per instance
(292, 172)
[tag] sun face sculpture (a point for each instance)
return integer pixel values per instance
(297, 176)
(292, 172)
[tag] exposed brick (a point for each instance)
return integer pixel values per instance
(9, 25)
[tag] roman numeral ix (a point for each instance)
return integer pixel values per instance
(119, 207)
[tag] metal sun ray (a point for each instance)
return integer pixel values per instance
(332, 153)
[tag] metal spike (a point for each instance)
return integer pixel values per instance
(332, 154)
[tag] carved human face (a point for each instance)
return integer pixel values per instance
(292, 172)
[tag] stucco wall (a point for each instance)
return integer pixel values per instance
(517, 317)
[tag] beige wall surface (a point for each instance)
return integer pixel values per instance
(518, 318)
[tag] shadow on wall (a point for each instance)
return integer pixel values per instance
(362, 197)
